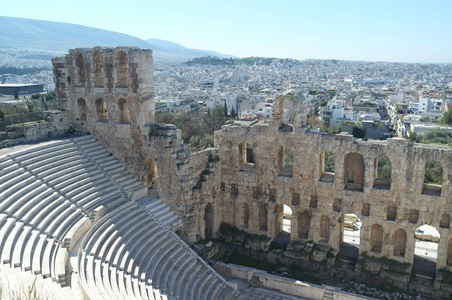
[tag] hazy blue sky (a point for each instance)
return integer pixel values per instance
(395, 30)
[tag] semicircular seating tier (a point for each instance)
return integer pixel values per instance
(53, 192)
(130, 254)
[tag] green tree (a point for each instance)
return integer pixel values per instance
(384, 168)
(433, 172)
(233, 113)
(447, 117)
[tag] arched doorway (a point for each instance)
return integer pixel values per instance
(426, 251)
(399, 242)
(245, 215)
(303, 224)
(376, 238)
(349, 237)
(208, 221)
(283, 225)
(324, 228)
(82, 109)
(263, 212)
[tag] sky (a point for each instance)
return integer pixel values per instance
(371, 30)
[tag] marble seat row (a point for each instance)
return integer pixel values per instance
(130, 254)
(47, 191)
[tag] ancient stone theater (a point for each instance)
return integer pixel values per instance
(104, 203)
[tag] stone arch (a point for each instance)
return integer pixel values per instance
(263, 216)
(151, 172)
(354, 171)
(449, 252)
(399, 242)
(376, 238)
(245, 215)
(98, 68)
(303, 224)
(445, 221)
(101, 110)
(122, 69)
(123, 111)
(80, 69)
(383, 172)
(433, 178)
(298, 111)
(82, 109)
(324, 228)
(326, 166)
(208, 221)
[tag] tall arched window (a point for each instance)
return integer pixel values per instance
(354, 171)
(433, 178)
(80, 69)
(101, 110)
(383, 172)
(123, 111)
(122, 69)
(82, 109)
(98, 68)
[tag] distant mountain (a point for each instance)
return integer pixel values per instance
(36, 34)
(176, 49)
(46, 35)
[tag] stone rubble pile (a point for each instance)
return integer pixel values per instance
(362, 289)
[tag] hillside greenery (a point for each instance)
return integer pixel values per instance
(197, 132)
(434, 136)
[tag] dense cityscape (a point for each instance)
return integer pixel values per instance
(382, 99)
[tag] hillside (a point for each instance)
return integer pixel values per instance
(177, 49)
(36, 34)
(45, 35)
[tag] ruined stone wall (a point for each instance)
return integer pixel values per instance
(317, 202)
(109, 93)
(56, 123)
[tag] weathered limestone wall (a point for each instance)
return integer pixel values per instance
(401, 205)
(109, 93)
(56, 123)
(281, 284)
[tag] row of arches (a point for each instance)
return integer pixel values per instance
(395, 243)
(354, 169)
(101, 110)
(121, 62)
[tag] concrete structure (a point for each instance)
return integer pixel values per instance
(20, 89)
